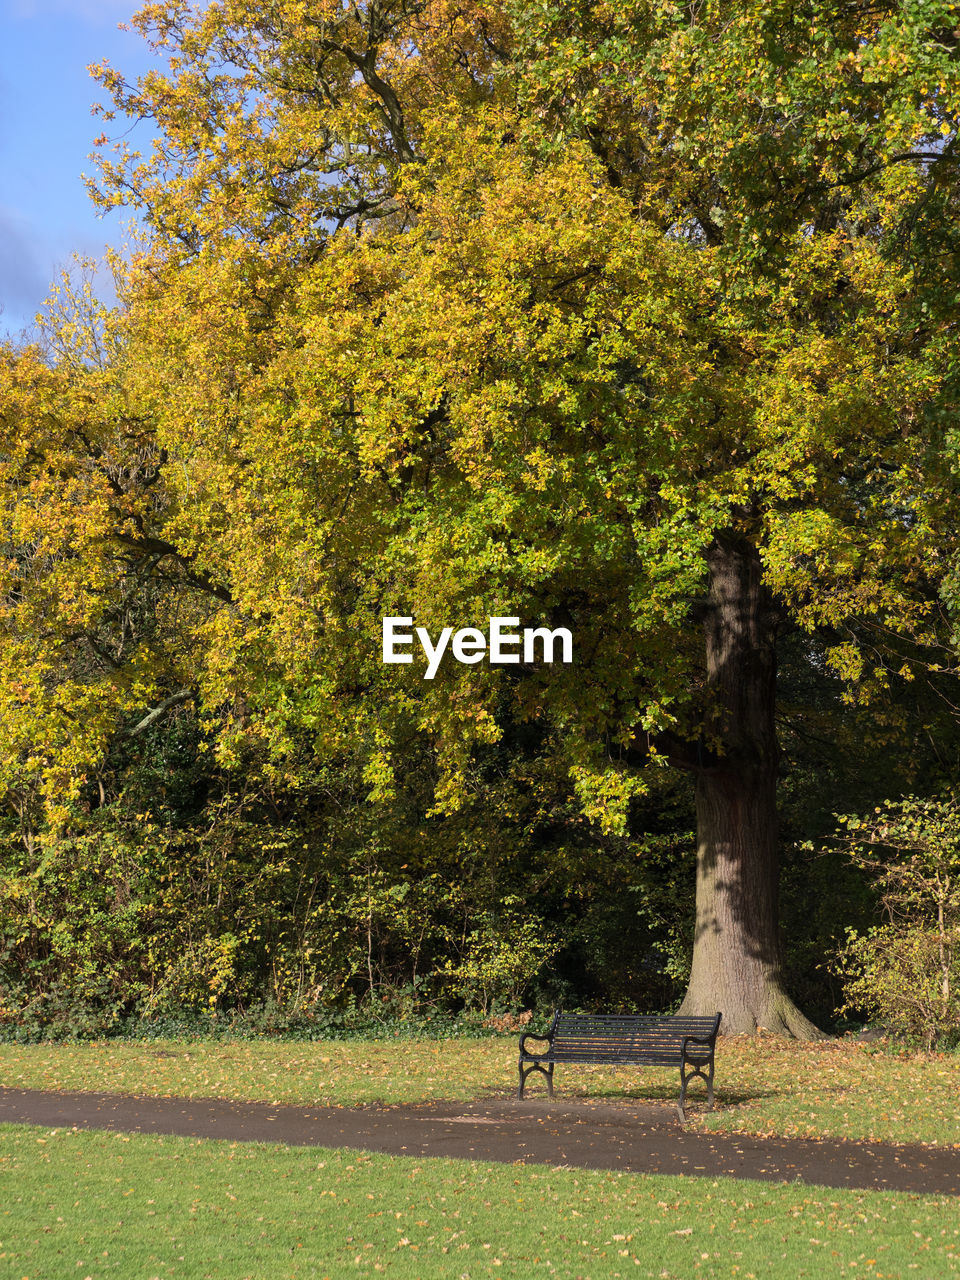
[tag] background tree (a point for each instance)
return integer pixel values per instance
(602, 319)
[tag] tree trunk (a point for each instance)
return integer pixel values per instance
(736, 950)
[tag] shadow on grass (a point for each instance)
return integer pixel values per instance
(665, 1093)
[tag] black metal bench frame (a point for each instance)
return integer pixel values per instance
(626, 1040)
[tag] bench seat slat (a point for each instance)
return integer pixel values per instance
(637, 1042)
(626, 1059)
(658, 1033)
(618, 1032)
(672, 1050)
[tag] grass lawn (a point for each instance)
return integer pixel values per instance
(81, 1205)
(764, 1085)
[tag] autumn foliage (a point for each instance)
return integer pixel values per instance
(620, 319)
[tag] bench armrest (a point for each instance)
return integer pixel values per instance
(706, 1040)
(532, 1035)
(709, 1039)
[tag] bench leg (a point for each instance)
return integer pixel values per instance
(684, 1081)
(522, 1078)
(697, 1069)
(546, 1072)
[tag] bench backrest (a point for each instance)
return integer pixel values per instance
(587, 1032)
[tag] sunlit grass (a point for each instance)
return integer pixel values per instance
(764, 1085)
(836, 1089)
(96, 1205)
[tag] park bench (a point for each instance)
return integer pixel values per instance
(625, 1040)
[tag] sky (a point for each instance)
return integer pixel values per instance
(46, 137)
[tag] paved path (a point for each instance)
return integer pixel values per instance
(638, 1138)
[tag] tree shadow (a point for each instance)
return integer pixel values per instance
(668, 1093)
(661, 1093)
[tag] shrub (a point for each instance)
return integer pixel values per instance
(894, 976)
(904, 972)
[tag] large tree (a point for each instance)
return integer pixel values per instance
(603, 317)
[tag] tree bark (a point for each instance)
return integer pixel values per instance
(736, 951)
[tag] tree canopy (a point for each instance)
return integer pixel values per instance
(633, 319)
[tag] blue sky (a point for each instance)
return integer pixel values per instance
(46, 136)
